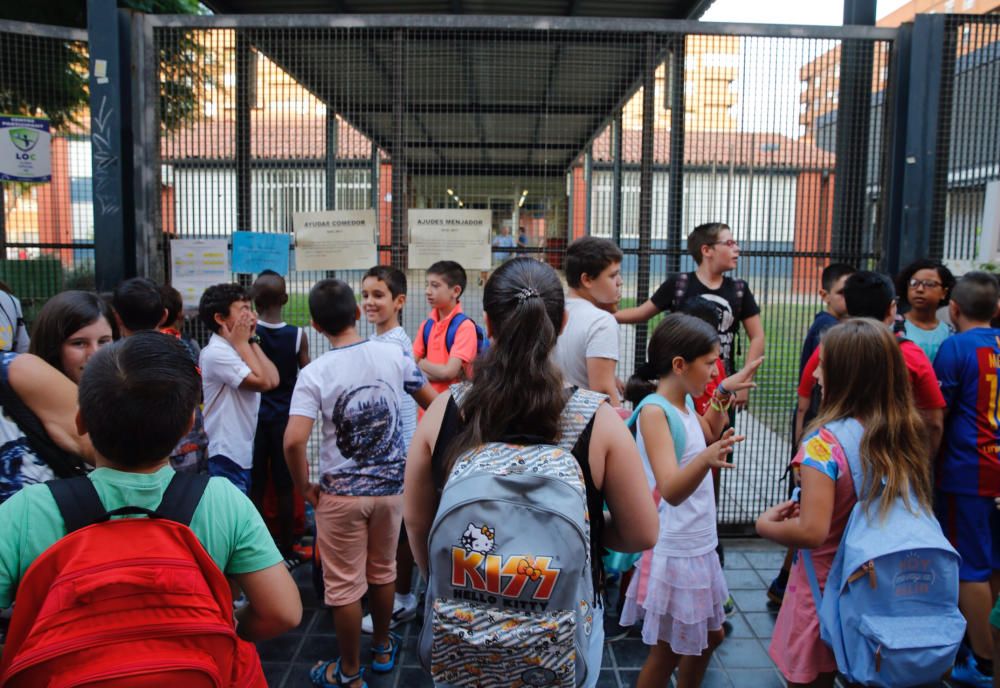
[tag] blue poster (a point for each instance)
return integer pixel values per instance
(255, 252)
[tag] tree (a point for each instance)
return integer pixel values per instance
(48, 77)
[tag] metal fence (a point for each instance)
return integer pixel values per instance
(636, 131)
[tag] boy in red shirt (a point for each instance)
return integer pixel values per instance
(441, 364)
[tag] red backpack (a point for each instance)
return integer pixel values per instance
(134, 602)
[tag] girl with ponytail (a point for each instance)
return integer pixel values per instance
(678, 590)
(517, 396)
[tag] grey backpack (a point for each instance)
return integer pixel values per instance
(510, 596)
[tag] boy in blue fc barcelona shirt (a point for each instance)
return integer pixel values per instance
(968, 468)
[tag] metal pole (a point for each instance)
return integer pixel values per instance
(331, 158)
(3, 224)
(892, 227)
(399, 234)
(616, 178)
(111, 138)
(588, 187)
(675, 194)
(244, 102)
(646, 188)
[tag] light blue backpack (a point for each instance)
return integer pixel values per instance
(890, 608)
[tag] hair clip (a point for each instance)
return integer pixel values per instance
(527, 293)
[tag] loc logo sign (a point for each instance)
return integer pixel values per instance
(25, 149)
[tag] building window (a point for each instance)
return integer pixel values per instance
(81, 190)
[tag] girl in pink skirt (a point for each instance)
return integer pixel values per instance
(678, 590)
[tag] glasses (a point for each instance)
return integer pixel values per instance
(926, 284)
(728, 242)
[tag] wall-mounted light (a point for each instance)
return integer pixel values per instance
(450, 192)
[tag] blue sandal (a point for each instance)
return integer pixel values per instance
(392, 649)
(318, 676)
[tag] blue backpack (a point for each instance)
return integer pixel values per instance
(482, 341)
(890, 608)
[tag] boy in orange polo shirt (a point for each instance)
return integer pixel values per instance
(442, 365)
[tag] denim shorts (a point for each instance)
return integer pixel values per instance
(224, 467)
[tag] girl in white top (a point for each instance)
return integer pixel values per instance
(679, 589)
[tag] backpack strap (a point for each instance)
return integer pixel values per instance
(182, 496)
(449, 336)
(577, 416)
(425, 332)
(78, 502)
(674, 420)
(680, 289)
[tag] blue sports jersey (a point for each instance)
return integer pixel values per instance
(967, 366)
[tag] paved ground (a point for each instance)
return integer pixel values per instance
(741, 660)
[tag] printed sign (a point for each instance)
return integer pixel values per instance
(335, 240)
(445, 234)
(25, 149)
(255, 252)
(196, 264)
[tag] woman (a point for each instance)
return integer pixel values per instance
(517, 395)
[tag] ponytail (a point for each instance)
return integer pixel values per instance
(516, 391)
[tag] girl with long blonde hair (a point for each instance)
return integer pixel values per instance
(864, 377)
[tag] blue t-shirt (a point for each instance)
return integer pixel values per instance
(821, 323)
(967, 366)
(503, 241)
(928, 340)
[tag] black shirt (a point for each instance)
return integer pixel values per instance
(733, 299)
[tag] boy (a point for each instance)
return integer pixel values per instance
(288, 349)
(716, 252)
(383, 296)
(587, 349)
(137, 397)
(234, 372)
(968, 468)
(356, 387)
(446, 282)
(138, 306)
(871, 295)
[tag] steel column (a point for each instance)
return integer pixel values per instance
(331, 159)
(399, 233)
(901, 60)
(646, 188)
(616, 178)
(245, 95)
(675, 193)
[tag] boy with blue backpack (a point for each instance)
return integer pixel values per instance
(968, 468)
(448, 341)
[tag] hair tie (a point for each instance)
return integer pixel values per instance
(527, 293)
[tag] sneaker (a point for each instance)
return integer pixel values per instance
(729, 606)
(401, 613)
(968, 674)
(776, 592)
(614, 631)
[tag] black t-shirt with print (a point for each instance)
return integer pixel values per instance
(733, 301)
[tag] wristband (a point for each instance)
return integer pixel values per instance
(722, 391)
(255, 339)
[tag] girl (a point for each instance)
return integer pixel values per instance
(679, 591)
(70, 327)
(517, 394)
(923, 287)
(893, 452)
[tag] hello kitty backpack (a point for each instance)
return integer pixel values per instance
(510, 595)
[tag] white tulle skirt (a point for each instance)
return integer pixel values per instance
(678, 599)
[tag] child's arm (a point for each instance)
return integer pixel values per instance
(717, 416)
(424, 396)
(263, 376)
(442, 372)
(303, 349)
(805, 525)
(296, 439)
(755, 332)
(676, 483)
(275, 605)
(637, 314)
(601, 378)
(419, 496)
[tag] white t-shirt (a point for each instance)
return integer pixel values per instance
(13, 331)
(230, 412)
(408, 409)
(590, 333)
(358, 390)
(688, 529)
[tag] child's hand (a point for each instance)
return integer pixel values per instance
(781, 512)
(742, 380)
(716, 453)
(311, 494)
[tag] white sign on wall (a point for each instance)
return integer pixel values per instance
(445, 234)
(335, 240)
(196, 265)
(25, 149)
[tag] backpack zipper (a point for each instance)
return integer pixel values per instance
(868, 568)
(136, 669)
(176, 563)
(171, 630)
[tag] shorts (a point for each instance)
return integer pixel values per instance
(223, 467)
(972, 525)
(357, 539)
(995, 615)
(269, 456)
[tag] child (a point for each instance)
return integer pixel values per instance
(287, 347)
(356, 387)
(383, 295)
(173, 301)
(138, 305)
(234, 372)
(894, 450)
(679, 590)
(587, 349)
(136, 400)
(968, 469)
(518, 396)
(716, 252)
(443, 365)
(923, 288)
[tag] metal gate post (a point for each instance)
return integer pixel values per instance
(901, 61)
(928, 122)
(646, 189)
(399, 233)
(111, 137)
(616, 178)
(246, 94)
(675, 194)
(151, 254)
(331, 158)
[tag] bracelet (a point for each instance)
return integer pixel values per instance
(722, 391)
(720, 405)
